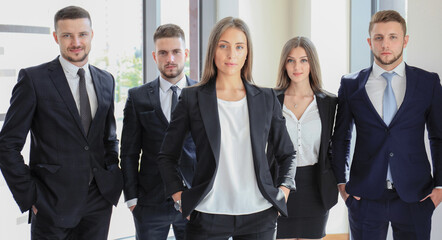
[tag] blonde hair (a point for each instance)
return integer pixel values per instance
(387, 16)
(210, 70)
(315, 78)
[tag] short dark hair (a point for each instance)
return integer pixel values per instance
(387, 16)
(168, 31)
(71, 12)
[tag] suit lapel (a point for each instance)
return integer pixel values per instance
(56, 74)
(324, 114)
(412, 79)
(96, 79)
(154, 97)
(255, 103)
(209, 113)
(363, 78)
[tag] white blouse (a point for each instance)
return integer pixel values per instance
(235, 189)
(305, 133)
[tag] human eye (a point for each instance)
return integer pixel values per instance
(222, 46)
(393, 37)
(162, 53)
(290, 60)
(240, 47)
(65, 35)
(378, 38)
(177, 51)
(304, 60)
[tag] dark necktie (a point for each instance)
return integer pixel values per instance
(85, 106)
(174, 99)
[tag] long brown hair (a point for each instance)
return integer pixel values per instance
(315, 78)
(210, 70)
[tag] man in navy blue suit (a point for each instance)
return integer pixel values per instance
(146, 117)
(390, 103)
(67, 105)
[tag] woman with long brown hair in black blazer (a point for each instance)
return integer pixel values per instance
(310, 114)
(230, 120)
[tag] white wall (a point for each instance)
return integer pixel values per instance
(424, 50)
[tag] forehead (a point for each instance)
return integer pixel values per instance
(297, 52)
(79, 24)
(386, 28)
(233, 35)
(169, 43)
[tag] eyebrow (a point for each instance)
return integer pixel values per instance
(229, 42)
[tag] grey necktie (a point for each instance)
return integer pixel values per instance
(389, 108)
(174, 99)
(85, 106)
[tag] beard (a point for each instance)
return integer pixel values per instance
(172, 74)
(388, 62)
(80, 59)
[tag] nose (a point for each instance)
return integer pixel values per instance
(75, 40)
(170, 58)
(386, 43)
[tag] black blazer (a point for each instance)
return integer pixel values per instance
(327, 182)
(144, 127)
(62, 156)
(197, 112)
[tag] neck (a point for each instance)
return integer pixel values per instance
(229, 82)
(174, 80)
(299, 89)
(390, 67)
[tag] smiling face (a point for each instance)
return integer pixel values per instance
(231, 52)
(74, 37)
(170, 55)
(387, 42)
(297, 65)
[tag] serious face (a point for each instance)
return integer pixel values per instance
(170, 56)
(387, 42)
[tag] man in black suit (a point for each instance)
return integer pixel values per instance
(72, 178)
(146, 117)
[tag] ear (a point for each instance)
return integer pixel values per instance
(406, 40)
(55, 36)
(186, 54)
(369, 42)
(92, 34)
(154, 57)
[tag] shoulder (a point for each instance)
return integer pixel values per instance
(102, 73)
(421, 72)
(351, 77)
(190, 81)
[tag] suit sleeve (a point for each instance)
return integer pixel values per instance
(434, 126)
(130, 149)
(110, 135)
(172, 146)
(282, 148)
(17, 124)
(342, 136)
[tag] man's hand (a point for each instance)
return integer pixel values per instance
(35, 210)
(435, 195)
(344, 193)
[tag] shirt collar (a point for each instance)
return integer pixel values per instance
(165, 85)
(399, 70)
(70, 68)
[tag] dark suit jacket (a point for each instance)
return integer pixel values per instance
(197, 112)
(401, 143)
(62, 156)
(144, 127)
(327, 183)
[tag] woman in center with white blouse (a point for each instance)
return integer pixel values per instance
(310, 114)
(230, 120)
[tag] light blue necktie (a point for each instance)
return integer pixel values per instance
(389, 108)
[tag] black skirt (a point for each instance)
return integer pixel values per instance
(307, 216)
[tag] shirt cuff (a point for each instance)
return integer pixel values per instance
(132, 202)
(438, 187)
(341, 184)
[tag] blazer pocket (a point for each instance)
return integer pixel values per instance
(52, 168)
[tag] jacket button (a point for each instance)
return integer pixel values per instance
(86, 148)
(391, 154)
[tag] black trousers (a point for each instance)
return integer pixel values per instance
(256, 226)
(94, 223)
(369, 219)
(153, 222)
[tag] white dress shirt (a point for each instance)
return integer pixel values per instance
(376, 84)
(305, 133)
(71, 73)
(166, 94)
(235, 188)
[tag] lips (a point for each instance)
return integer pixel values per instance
(76, 50)
(297, 74)
(231, 64)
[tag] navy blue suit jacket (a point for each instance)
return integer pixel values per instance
(62, 156)
(401, 143)
(197, 113)
(144, 127)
